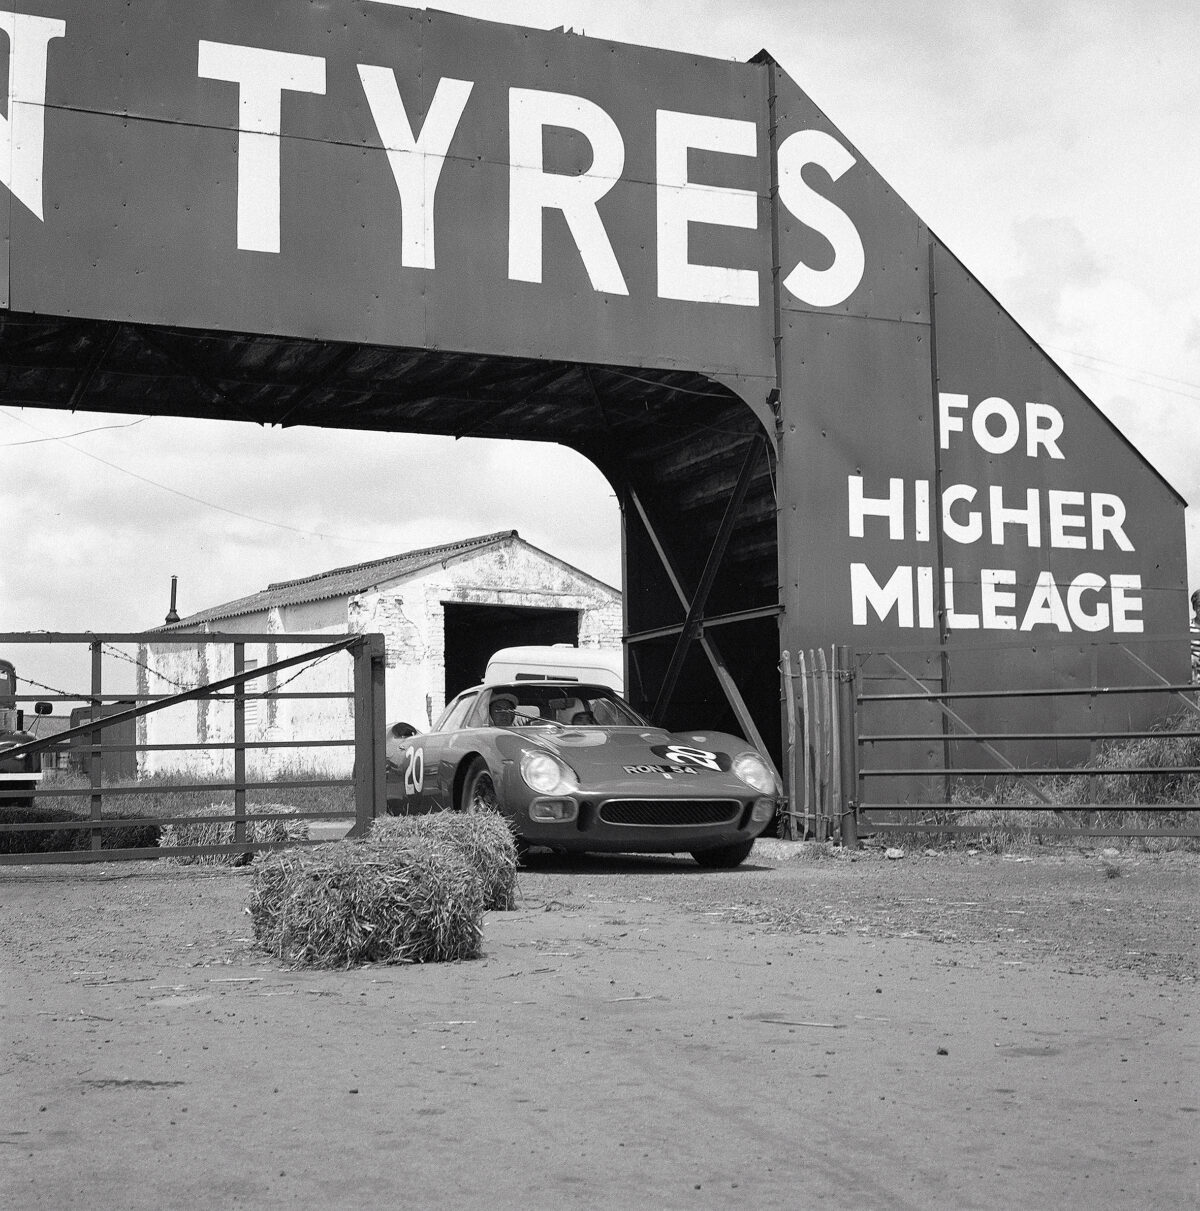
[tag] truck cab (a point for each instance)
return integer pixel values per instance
(18, 775)
(557, 662)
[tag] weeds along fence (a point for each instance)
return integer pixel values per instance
(916, 741)
(228, 744)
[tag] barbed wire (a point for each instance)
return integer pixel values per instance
(50, 689)
(117, 654)
(303, 669)
(113, 651)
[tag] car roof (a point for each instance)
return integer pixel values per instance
(538, 683)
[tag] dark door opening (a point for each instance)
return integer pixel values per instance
(474, 632)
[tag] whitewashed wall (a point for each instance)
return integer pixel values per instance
(211, 722)
(412, 619)
(409, 614)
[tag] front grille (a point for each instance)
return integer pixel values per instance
(669, 813)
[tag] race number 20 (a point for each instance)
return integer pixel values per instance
(414, 772)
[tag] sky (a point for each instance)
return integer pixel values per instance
(1051, 145)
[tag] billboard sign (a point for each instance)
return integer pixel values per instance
(365, 172)
(359, 172)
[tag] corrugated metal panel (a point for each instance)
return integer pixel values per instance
(342, 582)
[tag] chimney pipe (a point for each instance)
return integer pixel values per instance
(172, 613)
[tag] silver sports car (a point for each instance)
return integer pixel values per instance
(575, 768)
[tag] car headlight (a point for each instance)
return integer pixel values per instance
(755, 772)
(546, 774)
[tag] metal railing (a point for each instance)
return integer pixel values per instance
(842, 757)
(989, 762)
(236, 692)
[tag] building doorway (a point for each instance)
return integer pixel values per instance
(474, 632)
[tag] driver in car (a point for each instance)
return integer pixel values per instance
(500, 710)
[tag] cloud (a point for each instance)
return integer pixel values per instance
(1055, 256)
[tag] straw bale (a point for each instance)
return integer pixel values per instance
(284, 828)
(349, 902)
(484, 838)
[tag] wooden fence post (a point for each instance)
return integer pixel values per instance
(793, 765)
(370, 773)
(848, 744)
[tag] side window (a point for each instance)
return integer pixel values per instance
(255, 686)
(452, 720)
(479, 715)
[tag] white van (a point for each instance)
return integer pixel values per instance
(560, 662)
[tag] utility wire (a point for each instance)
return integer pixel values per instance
(34, 441)
(262, 521)
(1136, 377)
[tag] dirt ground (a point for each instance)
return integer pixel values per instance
(950, 1031)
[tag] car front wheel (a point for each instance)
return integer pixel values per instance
(726, 857)
(479, 790)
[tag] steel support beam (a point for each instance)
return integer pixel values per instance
(695, 607)
(707, 642)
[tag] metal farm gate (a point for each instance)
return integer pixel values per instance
(83, 832)
(906, 742)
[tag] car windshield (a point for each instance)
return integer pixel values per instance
(527, 704)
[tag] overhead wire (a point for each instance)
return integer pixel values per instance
(57, 437)
(263, 521)
(1139, 375)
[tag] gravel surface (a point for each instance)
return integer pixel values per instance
(947, 1030)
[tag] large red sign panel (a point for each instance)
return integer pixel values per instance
(365, 172)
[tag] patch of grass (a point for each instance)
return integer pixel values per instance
(416, 900)
(818, 851)
(992, 808)
(167, 798)
(72, 836)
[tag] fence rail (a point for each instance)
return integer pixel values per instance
(839, 738)
(86, 740)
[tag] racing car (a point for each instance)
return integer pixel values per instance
(574, 768)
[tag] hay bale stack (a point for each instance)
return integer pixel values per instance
(283, 828)
(416, 901)
(484, 838)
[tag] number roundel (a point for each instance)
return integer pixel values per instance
(414, 771)
(685, 755)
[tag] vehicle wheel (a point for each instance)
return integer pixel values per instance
(724, 858)
(479, 795)
(479, 791)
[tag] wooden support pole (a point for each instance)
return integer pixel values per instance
(793, 765)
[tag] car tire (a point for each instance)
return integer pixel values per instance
(479, 789)
(726, 857)
(479, 795)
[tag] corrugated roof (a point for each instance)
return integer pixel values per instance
(345, 582)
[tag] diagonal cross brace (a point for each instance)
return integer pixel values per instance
(954, 717)
(695, 608)
(200, 691)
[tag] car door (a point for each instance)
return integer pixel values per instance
(428, 777)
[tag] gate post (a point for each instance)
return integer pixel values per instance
(848, 749)
(96, 757)
(370, 787)
(239, 745)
